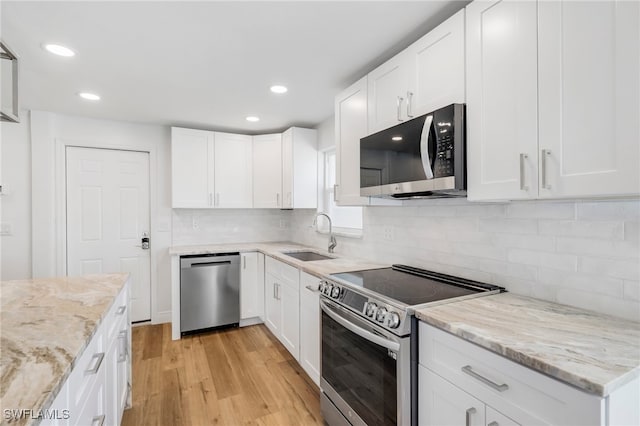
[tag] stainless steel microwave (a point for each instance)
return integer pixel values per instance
(422, 157)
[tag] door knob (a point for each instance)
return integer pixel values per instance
(144, 241)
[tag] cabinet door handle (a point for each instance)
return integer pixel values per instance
(545, 153)
(494, 424)
(312, 288)
(98, 357)
(244, 262)
(278, 292)
(121, 310)
(277, 200)
(398, 106)
(123, 349)
(98, 420)
(335, 193)
(469, 370)
(409, 98)
(468, 414)
(274, 290)
(523, 187)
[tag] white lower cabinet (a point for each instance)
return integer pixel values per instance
(251, 285)
(97, 390)
(462, 383)
(282, 306)
(310, 326)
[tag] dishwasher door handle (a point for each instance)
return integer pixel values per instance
(199, 265)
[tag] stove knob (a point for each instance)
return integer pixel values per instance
(394, 320)
(322, 286)
(327, 289)
(370, 309)
(381, 314)
(335, 291)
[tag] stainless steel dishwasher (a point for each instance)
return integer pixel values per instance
(209, 291)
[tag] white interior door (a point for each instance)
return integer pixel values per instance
(107, 214)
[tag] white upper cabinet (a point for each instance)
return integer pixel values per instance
(426, 76)
(210, 169)
(387, 90)
(299, 169)
(233, 171)
(192, 160)
(351, 125)
(436, 68)
(501, 114)
(589, 90)
(553, 99)
(267, 171)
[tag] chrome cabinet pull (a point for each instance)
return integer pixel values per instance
(98, 357)
(335, 193)
(470, 411)
(313, 289)
(409, 97)
(523, 187)
(123, 348)
(277, 200)
(121, 310)
(469, 370)
(274, 290)
(278, 291)
(398, 106)
(545, 154)
(494, 424)
(98, 420)
(244, 262)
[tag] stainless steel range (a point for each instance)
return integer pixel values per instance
(369, 340)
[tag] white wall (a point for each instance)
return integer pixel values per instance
(15, 249)
(583, 253)
(49, 134)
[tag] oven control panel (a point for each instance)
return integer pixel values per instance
(370, 308)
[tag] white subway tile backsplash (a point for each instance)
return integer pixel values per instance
(632, 290)
(627, 210)
(624, 269)
(598, 247)
(530, 242)
(586, 229)
(510, 226)
(598, 284)
(563, 262)
(597, 302)
(541, 210)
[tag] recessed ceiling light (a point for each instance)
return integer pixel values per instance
(89, 96)
(253, 118)
(279, 89)
(59, 50)
(396, 138)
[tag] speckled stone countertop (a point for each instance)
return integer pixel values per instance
(593, 352)
(319, 268)
(46, 325)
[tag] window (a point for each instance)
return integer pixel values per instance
(345, 220)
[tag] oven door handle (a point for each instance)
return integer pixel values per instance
(365, 334)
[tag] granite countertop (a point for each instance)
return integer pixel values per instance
(319, 268)
(46, 325)
(591, 351)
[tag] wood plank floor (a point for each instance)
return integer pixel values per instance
(241, 376)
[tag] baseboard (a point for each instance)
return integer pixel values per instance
(250, 321)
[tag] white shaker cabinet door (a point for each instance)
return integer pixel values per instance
(589, 92)
(351, 126)
(436, 68)
(251, 296)
(192, 178)
(267, 171)
(387, 92)
(502, 138)
(310, 326)
(443, 404)
(233, 171)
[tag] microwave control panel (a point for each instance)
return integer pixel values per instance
(444, 162)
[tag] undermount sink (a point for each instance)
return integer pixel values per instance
(307, 256)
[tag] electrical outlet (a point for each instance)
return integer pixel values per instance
(387, 233)
(195, 224)
(5, 229)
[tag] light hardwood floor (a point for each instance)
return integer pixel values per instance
(231, 377)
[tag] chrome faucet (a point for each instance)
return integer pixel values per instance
(332, 239)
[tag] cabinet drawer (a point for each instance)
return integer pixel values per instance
(509, 387)
(86, 371)
(272, 266)
(285, 274)
(93, 413)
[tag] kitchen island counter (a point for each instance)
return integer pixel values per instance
(593, 352)
(46, 325)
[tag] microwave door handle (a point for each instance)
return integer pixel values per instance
(365, 334)
(424, 147)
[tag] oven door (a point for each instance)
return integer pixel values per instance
(365, 369)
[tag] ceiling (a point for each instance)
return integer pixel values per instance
(207, 64)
